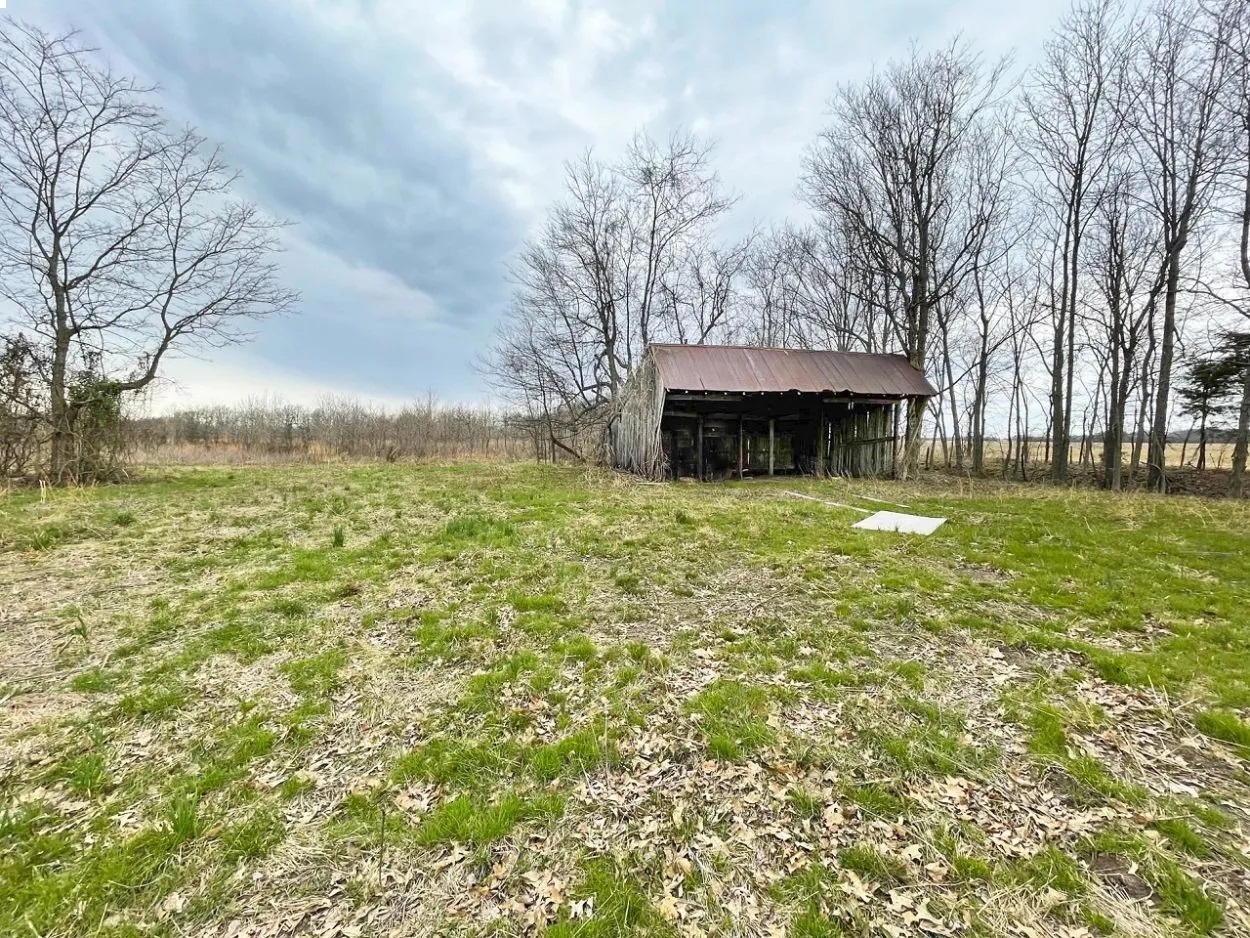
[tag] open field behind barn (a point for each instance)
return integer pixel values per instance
(1219, 454)
(497, 699)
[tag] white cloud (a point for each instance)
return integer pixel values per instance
(345, 290)
(234, 377)
(533, 81)
(540, 80)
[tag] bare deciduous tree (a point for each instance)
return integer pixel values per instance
(1071, 133)
(674, 197)
(894, 172)
(1235, 38)
(120, 239)
(625, 259)
(1122, 244)
(1183, 142)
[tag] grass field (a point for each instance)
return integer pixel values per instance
(503, 699)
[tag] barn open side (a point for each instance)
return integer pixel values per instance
(715, 412)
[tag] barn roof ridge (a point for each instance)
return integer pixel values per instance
(756, 369)
(773, 348)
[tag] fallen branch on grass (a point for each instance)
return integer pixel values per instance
(830, 504)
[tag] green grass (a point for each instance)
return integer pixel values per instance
(1180, 894)
(812, 924)
(1184, 897)
(871, 863)
(932, 741)
(501, 671)
(183, 817)
(1045, 712)
(1050, 868)
(732, 719)
(621, 906)
(154, 701)
(94, 681)
(1183, 837)
(86, 774)
(809, 891)
(1220, 724)
(472, 765)
(575, 754)
(53, 885)
(876, 800)
(466, 820)
(121, 518)
(439, 639)
(457, 763)
(476, 531)
(318, 675)
(820, 675)
(254, 837)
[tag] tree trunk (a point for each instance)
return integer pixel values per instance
(1237, 488)
(911, 447)
(1024, 443)
(1113, 455)
(978, 403)
(1059, 416)
(1139, 439)
(956, 439)
(1115, 429)
(1071, 375)
(1057, 443)
(61, 455)
(1202, 442)
(1157, 453)
(1087, 440)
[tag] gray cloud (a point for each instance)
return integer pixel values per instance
(416, 144)
(326, 136)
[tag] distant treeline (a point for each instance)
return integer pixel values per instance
(336, 428)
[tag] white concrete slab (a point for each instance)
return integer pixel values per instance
(900, 523)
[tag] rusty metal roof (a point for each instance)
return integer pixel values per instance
(735, 368)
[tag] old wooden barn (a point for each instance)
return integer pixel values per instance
(714, 412)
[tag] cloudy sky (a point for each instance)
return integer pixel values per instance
(415, 144)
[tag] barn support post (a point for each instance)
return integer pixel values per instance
(861, 434)
(835, 448)
(698, 453)
(772, 443)
(882, 428)
(820, 444)
(868, 444)
(885, 446)
(874, 448)
(740, 467)
(894, 441)
(880, 447)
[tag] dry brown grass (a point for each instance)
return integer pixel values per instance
(1219, 455)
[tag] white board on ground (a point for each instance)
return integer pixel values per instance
(899, 522)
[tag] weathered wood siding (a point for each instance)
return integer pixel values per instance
(635, 435)
(862, 443)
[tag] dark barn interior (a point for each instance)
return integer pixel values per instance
(715, 436)
(716, 412)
